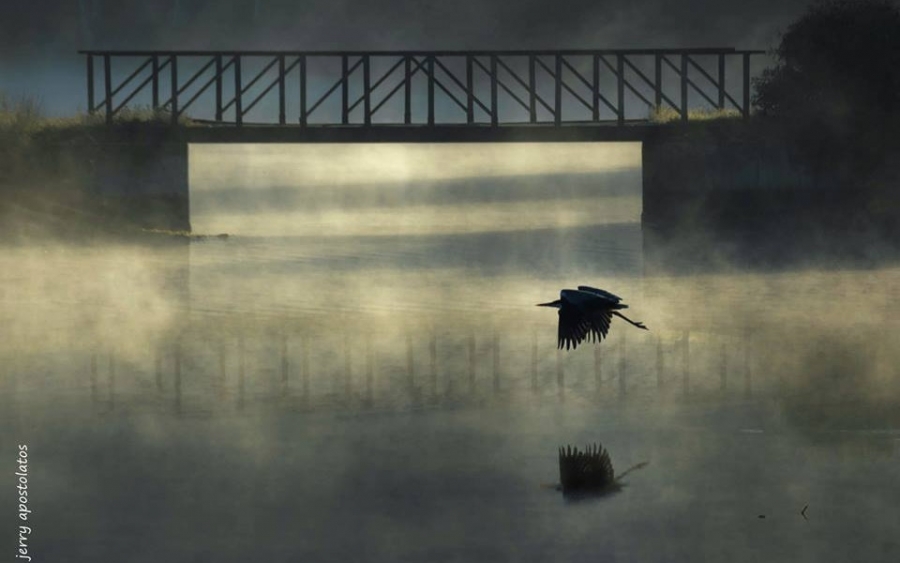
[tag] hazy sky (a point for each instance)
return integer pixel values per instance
(38, 40)
(51, 26)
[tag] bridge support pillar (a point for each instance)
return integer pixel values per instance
(143, 183)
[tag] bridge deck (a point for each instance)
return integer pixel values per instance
(610, 132)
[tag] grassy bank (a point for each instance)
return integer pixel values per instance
(54, 171)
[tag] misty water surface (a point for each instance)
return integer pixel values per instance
(358, 373)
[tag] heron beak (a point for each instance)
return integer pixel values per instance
(550, 304)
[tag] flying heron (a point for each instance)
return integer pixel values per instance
(585, 314)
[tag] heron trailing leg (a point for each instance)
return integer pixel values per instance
(637, 324)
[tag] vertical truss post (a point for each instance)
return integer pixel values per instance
(557, 96)
(345, 91)
(532, 91)
(470, 91)
(302, 90)
(495, 117)
(238, 106)
(746, 101)
(429, 62)
(657, 68)
(407, 90)
(620, 87)
(281, 109)
(721, 81)
(218, 87)
(155, 81)
(595, 95)
(173, 87)
(367, 101)
(684, 87)
(107, 88)
(90, 82)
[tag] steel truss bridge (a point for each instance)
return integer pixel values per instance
(368, 91)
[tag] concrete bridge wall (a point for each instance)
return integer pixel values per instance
(144, 183)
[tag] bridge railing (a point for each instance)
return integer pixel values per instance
(353, 88)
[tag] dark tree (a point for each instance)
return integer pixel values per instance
(840, 61)
(835, 91)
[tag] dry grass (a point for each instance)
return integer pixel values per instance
(19, 113)
(30, 140)
(666, 114)
(25, 115)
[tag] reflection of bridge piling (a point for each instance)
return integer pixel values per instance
(659, 362)
(723, 368)
(370, 375)
(221, 383)
(94, 379)
(523, 367)
(177, 384)
(157, 371)
(472, 364)
(241, 371)
(410, 372)
(560, 374)
(495, 349)
(686, 362)
(432, 353)
(304, 370)
(285, 366)
(10, 379)
(748, 384)
(623, 366)
(112, 381)
(347, 373)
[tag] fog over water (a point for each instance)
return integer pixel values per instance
(359, 373)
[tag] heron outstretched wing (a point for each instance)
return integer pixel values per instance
(575, 326)
(600, 293)
(600, 324)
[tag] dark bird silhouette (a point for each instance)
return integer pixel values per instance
(589, 471)
(585, 314)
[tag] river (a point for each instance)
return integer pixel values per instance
(358, 373)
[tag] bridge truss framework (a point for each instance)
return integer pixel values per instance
(419, 88)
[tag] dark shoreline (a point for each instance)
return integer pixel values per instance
(726, 190)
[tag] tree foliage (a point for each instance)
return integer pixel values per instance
(839, 62)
